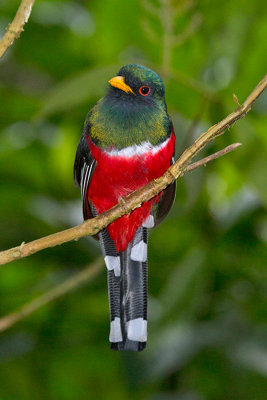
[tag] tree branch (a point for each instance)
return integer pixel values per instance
(68, 285)
(16, 27)
(135, 199)
(85, 275)
(25, 250)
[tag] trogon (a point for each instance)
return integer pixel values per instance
(128, 140)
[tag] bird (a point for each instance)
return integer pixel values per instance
(128, 140)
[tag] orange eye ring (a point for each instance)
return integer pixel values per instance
(144, 90)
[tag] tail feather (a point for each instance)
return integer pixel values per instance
(127, 285)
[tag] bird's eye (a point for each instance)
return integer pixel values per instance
(144, 90)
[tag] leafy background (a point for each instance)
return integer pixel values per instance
(207, 261)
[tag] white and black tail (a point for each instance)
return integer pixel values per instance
(127, 286)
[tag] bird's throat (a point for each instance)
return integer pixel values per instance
(122, 124)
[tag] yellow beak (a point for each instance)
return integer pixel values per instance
(119, 82)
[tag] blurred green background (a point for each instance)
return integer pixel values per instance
(207, 312)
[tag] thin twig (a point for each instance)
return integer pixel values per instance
(16, 27)
(138, 197)
(213, 156)
(68, 285)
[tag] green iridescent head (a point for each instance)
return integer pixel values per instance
(133, 111)
(143, 81)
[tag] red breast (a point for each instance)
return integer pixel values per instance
(117, 174)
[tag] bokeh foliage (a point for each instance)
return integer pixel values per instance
(207, 261)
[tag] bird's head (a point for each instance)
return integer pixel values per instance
(138, 84)
(133, 111)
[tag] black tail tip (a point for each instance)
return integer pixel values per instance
(128, 345)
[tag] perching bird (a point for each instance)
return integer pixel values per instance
(127, 141)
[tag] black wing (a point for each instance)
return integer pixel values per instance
(84, 167)
(163, 207)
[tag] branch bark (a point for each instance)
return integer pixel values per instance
(16, 27)
(135, 199)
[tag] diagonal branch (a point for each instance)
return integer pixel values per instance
(25, 250)
(16, 27)
(68, 285)
(85, 275)
(135, 199)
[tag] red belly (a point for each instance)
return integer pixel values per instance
(117, 176)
